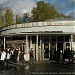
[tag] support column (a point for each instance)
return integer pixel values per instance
(49, 47)
(56, 51)
(30, 42)
(4, 42)
(37, 47)
(63, 49)
(43, 48)
(27, 49)
(27, 45)
(22, 46)
(71, 41)
(56, 43)
(40, 48)
(64, 44)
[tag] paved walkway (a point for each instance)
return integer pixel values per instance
(40, 68)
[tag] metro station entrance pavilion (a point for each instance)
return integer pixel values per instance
(45, 47)
(46, 39)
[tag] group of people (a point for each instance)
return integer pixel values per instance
(67, 56)
(62, 56)
(8, 55)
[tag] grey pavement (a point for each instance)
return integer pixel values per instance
(40, 68)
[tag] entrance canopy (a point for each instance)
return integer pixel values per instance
(49, 27)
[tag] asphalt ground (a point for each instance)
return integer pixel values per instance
(39, 68)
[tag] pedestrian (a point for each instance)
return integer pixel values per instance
(0, 54)
(58, 55)
(15, 55)
(7, 57)
(61, 56)
(12, 55)
(2, 60)
(68, 54)
(21, 58)
(31, 55)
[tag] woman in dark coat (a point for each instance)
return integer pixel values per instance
(21, 58)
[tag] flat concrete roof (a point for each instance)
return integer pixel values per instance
(55, 27)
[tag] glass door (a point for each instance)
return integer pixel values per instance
(59, 52)
(52, 51)
(46, 50)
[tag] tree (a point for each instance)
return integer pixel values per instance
(1, 17)
(18, 19)
(44, 11)
(8, 16)
(25, 17)
(22, 19)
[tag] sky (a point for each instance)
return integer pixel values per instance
(66, 7)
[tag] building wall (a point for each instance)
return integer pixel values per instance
(39, 29)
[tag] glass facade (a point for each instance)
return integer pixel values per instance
(48, 45)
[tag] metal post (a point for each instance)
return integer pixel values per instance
(27, 45)
(22, 46)
(64, 44)
(56, 43)
(43, 48)
(37, 47)
(40, 47)
(63, 60)
(30, 42)
(71, 41)
(27, 49)
(4, 42)
(49, 47)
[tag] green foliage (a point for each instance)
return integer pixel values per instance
(1, 21)
(1, 17)
(18, 19)
(8, 16)
(42, 12)
(25, 17)
(45, 11)
(22, 19)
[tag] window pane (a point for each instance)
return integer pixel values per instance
(60, 38)
(67, 38)
(46, 38)
(53, 38)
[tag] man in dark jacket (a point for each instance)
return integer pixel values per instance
(15, 55)
(21, 58)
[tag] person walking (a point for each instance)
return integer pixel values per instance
(58, 55)
(61, 58)
(21, 58)
(12, 55)
(15, 55)
(31, 55)
(8, 57)
(2, 60)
